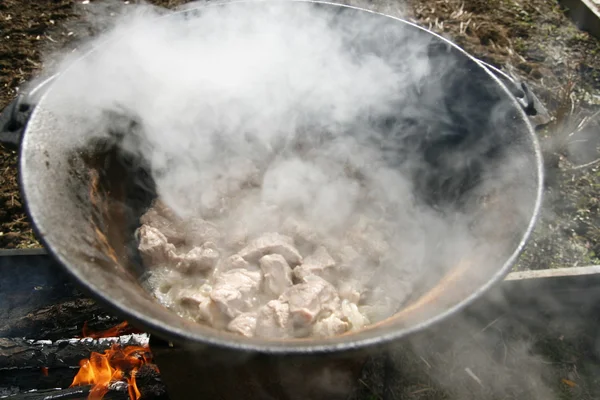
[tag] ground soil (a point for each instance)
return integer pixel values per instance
(534, 39)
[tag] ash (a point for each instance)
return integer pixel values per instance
(134, 339)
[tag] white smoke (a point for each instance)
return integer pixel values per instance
(258, 116)
(282, 103)
(258, 94)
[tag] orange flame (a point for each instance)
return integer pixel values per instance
(115, 364)
(121, 329)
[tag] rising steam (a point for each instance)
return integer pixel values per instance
(257, 94)
(287, 108)
(258, 116)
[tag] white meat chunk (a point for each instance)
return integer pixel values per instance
(161, 208)
(301, 231)
(199, 231)
(319, 263)
(244, 324)
(273, 320)
(277, 274)
(235, 291)
(197, 304)
(310, 300)
(238, 236)
(330, 326)
(154, 247)
(354, 317)
(271, 243)
(199, 259)
(171, 229)
(232, 262)
(350, 290)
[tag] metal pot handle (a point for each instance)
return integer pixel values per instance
(14, 117)
(533, 107)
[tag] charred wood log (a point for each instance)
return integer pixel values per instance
(147, 381)
(150, 385)
(54, 321)
(29, 354)
(39, 300)
(20, 380)
(54, 394)
(43, 364)
(75, 393)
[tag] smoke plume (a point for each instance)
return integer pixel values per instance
(261, 97)
(258, 118)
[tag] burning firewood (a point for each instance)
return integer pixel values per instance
(18, 353)
(116, 364)
(118, 330)
(76, 393)
(120, 369)
(121, 364)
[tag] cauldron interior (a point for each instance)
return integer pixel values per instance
(479, 158)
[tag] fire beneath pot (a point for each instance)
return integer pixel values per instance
(116, 364)
(131, 371)
(119, 364)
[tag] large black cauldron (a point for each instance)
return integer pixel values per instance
(85, 205)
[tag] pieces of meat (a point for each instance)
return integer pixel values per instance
(244, 324)
(191, 298)
(348, 317)
(330, 326)
(351, 314)
(277, 274)
(193, 232)
(307, 301)
(235, 291)
(171, 229)
(198, 231)
(300, 231)
(229, 292)
(350, 290)
(232, 262)
(199, 259)
(237, 237)
(162, 209)
(271, 243)
(319, 263)
(199, 306)
(273, 320)
(154, 247)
